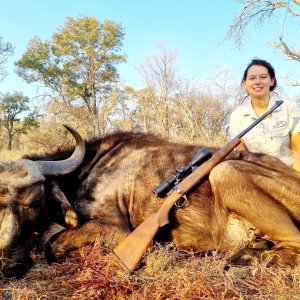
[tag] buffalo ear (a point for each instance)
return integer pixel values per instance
(60, 208)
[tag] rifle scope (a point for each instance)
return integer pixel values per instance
(200, 157)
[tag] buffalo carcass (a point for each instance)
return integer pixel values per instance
(104, 191)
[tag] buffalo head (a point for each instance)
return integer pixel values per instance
(23, 212)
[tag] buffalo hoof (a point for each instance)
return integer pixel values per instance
(282, 257)
(60, 246)
(245, 257)
(53, 251)
(263, 244)
(252, 256)
(50, 257)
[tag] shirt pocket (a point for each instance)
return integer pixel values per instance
(279, 133)
(279, 141)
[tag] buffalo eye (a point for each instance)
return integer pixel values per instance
(33, 205)
(31, 197)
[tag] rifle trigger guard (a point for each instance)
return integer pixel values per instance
(181, 202)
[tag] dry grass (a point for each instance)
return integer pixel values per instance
(165, 274)
(10, 155)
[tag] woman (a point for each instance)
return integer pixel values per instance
(279, 133)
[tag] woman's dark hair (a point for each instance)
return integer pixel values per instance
(264, 63)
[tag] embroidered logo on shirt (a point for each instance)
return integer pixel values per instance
(279, 124)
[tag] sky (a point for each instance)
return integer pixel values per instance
(197, 29)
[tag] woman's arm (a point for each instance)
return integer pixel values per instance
(295, 145)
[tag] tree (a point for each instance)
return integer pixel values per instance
(161, 77)
(6, 49)
(11, 107)
(258, 11)
(203, 110)
(78, 65)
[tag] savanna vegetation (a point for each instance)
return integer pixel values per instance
(77, 70)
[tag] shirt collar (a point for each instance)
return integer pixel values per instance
(247, 109)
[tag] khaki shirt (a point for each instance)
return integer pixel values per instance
(272, 135)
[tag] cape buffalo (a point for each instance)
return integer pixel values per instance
(103, 190)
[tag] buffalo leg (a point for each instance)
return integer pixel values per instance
(66, 241)
(238, 191)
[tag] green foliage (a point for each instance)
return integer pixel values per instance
(78, 64)
(12, 106)
(29, 122)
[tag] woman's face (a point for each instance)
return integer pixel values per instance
(258, 82)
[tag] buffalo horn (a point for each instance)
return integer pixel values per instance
(66, 166)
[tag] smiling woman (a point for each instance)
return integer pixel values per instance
(279, 133)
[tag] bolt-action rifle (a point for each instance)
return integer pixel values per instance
(129, 252)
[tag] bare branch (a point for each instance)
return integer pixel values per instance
(291, 82)
(279, 4)
(282, 46)
(257, 11)
(6, 49)
(289, 51)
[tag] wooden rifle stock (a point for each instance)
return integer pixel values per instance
(129, 252)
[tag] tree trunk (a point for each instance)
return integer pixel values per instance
(9, 144)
